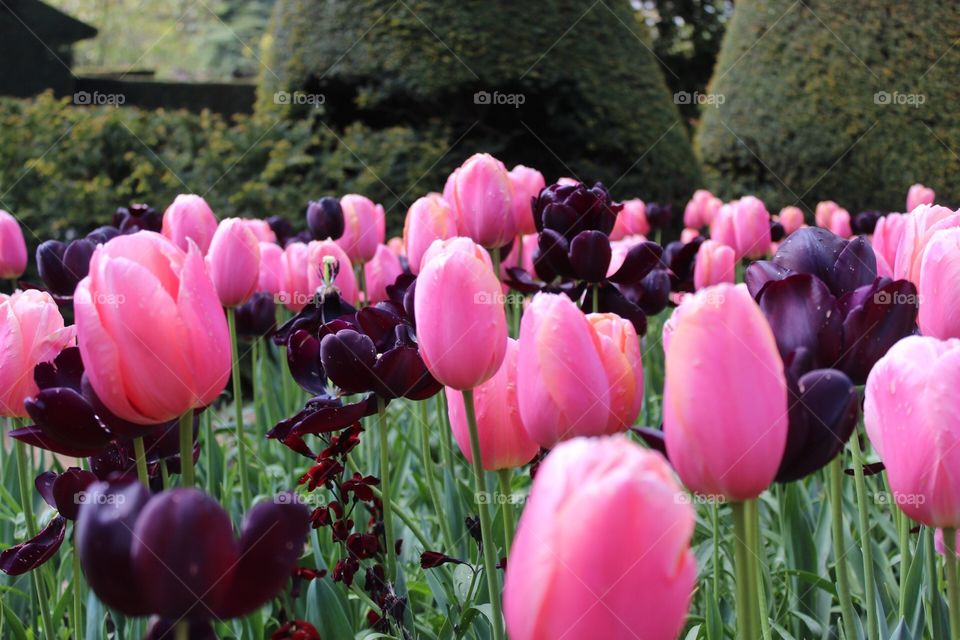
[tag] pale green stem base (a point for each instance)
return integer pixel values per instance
(186, 448)
(506, 492)
(141, 456)
(385, 488)
(839, 553)
(238, 412)
(870, 585)
(953, 588)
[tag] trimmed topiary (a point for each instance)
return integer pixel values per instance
(847, 101)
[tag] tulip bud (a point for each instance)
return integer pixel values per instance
(633, 218)
(527, 184)
(791, 218)
(461, 321)
(364, 227)
(482, 200)
(603, 547)
(296, 288)
(429, 218)
(909, 411)
(13, 249)
(62, 266)
(918, 195)
(715, 264)
(189, 217)
(325, 218)
(271, 277)
(31, 331)
(725, 395)
(824, 213)
(939, 315)
(743, 225)
(885, 240)
(701, 210)
(380, 273)
(234, 262)
(921, 224)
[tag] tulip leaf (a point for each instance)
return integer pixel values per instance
(693, 633)
(95, 617)
(901, 632)
(326, 610)
(12, 626)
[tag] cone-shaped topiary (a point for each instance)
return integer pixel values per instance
(567, 86)
(838, 100)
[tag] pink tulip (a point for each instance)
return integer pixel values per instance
(939, 313)
(688, 235)
(364, 227)
(189, 217)
(482, 200)
(701, 210)
(921, 224)
(346, 281)
(380, 273)
(715, 264)
(840, 223)
(823, 214)
(272, 278)
(725, 395)
(296, 289)
(910, 411)
(13, 249)
(567, 182)
(602, 549)
(261, 229)
(429, 218)
(504, 442)
(632, 219)
(743, 225)
(234, 262)
(527, 184)
(578, 375)
(791, 219)
(886, 239)
(151, 330)
(31, 332)
(461, 321)
(529, 248)
(395, 244)
(917, 195)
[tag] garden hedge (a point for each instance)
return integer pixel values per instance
(595, 103)
(822, 101)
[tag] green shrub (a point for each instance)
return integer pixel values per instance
(64, 169)
(801, 119)
(594, 100)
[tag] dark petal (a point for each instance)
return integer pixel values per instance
(348, 358)
(69, 490)
(115, 463)
(34, 436)
(397, 291)
(681, 258)
(102, 235)
(810, 250)
(163, 441)
(552, 256)
(562, 219)
(887, 314)
(76, 263)
(803, 313)
(408, 301)
(434, 559)
(66, 370)
(282, 228)
(590, 255)
(400, 372)
(759, 273)
(610, 300)
(117, 426)
(29, 555)
(776, 231)
(652, 293)
(328, 418)
(257, 317)
(184, 554)
(638, 262)
(303, 356)
(325, 218)
(378, 322)
(856, 266)
(65, 417)
(104, 536)
(654, 438)
(271, 541)
(165, 629)
(44, 486)
(519, 280)
(50, 265)
(823, 413)
(283, 431)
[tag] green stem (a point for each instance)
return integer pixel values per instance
(238, 412)
(904, 531)
(495, 256)
(427, 463)
(869, 587)
(596, 296)
(389, 540)
(486, 526)
(715, 522)
(26, 502)
(182, 631)
(77, 600)
(753, 512)
(953, 588)
(141, 455)
(741, 563)
(208, 448)
(506, 492)
(933, 581)
(362, 279)
(839, 553)
(186, 448)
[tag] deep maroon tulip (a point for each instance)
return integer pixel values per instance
(570, 209)
(137, 217)
(175, 555)
(325, 218)
(29, 555)
(257, 317)
(282, 228)
(62, 266)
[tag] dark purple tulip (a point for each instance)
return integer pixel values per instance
(590, 255)
(62, 266)
(803, 314)
(652, 293)
(570, 209)
(659, 215)
(281, 228)
(321, 414)
(865, 222)
(680, 260)
(29, 555)
(776, 231)
(348, 358)
(165, 629)
(325, 218)
(137, 217)
(552, 258)
(640, 260)
(65, 491)
(257, 317)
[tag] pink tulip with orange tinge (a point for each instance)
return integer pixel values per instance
(461, 320)
(151, 330)
(429, 218)
(364, 227)
(715, 263)
(603, 547)
(791, 219)
(189, 217)
(234, 262)
(481, 195)
(725, 395)
(504, 442)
